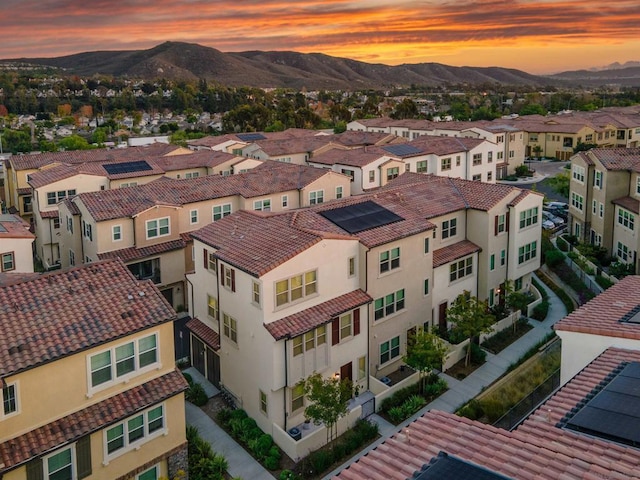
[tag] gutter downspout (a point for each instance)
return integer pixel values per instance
(51, 239)
(286, 384)
(366, 285)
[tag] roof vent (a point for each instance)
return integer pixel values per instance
(141, 293)
(130, 297)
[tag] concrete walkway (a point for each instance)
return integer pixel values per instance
(244, 466)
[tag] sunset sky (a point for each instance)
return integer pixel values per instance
(541, 36)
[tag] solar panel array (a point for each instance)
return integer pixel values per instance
(632, 316)
(447, 467)
(250, 137)
(402, 150)
(127, 167)
(614, 412)
(361, 216)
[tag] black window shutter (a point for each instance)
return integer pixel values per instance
(221, 274)
(335, 331)
(495, 226)
(83, 456)
(233, 280)
(34, 470)
(206, 258)
(506, 222)
(356, 321)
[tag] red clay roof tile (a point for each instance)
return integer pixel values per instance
(206, 334)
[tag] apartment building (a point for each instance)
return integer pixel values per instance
(16, 245)
(148, 226)
(339, 288)
(604, 194)
(88, 379)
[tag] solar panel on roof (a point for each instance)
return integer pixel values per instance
(632, 316)
(447, 467)
(250, 137)
(402, 150)
(361, 216)
(614, 412)
(127, 167)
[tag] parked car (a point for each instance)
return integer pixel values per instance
(558, 205)
(557, 209)
(557, 221)
(548, 225)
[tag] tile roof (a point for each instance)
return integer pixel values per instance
(434, 145)
(24, 191)
(538, 449)
(18, 450)
(630, 203)
(602, 314)
(14, 227)
(357, 157)
(352, 138)
(617, 158)
(135, 253)
(66, 311)
(49, 214)
(265, 179)
(205, 333)
(447, 254)
(312, 317)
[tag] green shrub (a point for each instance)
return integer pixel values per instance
(367, 430)
(272, 463)
(554, 257)
(472, 410)
(621, 269)
(260, 446)
(396, 414)
(398, 398)
(435, 389)
(238, 414)
(320, 460)
(188, 378)
(288, 475)
(223, 416)
(196, 395)
(478, 355)
(562, 244)
(521, 170)
(540, 311)
(493, 409)
(603, 282)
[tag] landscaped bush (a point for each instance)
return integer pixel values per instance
(554, 258)
(204, 463)
(620, 269)
(593, 253)
(478, 355)
(504, 338)
(522, 170)
(562, 244)
(196, 394)
(471, 410)
(408, 408)
(603, 282)
(405, 402)
(540, 311)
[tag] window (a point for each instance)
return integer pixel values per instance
(477, 159)
(9, 399)
(500, 224)
(392, 173)
(638, 185)
(426, 245)
(310, 340)
(601, 210)
(594, 207)
(255, 293)
(60, 465)
(297, 397)
(212, 306)
(362, 368)
(489, 176)
(262, 205)
(491, 298)
(228, 278)
(372, 176)
(492, 262)
(529, 217)
(296, 288)
(56, 222)
(230, 328)
(191, 175)
(221, 211)
(389, 259)
(8, 262)
(425, 286)
(460, 269)
(70, 224)
(157, 228)
(622, 252)
(457, 160)
(352, 266)
(134, 431)
(263, 401)
(421, 166)
(55, 197)
(500, 155)
(339, 191)
(567, 142)
(597, 179)
(577, 172)
(445, 164)
(316, 197)
(87, 231)
(388, 304)
(477, 178)
(128, 184)
(407, 167)
(527, 252)
(625, 218)
(72, 258)
(577, 200)
(122, 360)
(512, 153)
(151, 474)
(503, 257)
(285, 201)
(349, 173)
(449, 228)
(193, 216)
(389, 350)
(116, 233)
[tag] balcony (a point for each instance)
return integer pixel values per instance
(146, 270)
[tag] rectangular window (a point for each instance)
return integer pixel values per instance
(352, 266)
(426, 245)
(594, 207)
(638, 185)
(263, 402)
(221, 211)
(597, 179)
(392, 173)
(362, 368)
(477, 178)
(425, 286)
(457, 160)
(477, 159)
(157, 228)
(72, 258)
(339, 191)
(529, 217)
(54, 197)
(389, 259)
(70, 224)
(191, 175)
(489, 158)
(116, 233)
(527, 252)
(151, 474)
(372, 176)
(421, 166)
(503, 257)
(501, 224)
(8, 262)
(262, 205)
(449, 228)
(228, 278)
(492, 262)
(230, 328)
(297, 397)
(625, 218)
(285, 201)
(349, 173)
(296, 288)
(389, 304)
(212, 306)
(445, 164)
(389, 350)
(316, 197)
(346, 325)
(193, 217)
(500, 155)
(59, 466)
(297, 346)
(622, 252)
(577, 172)
(461, 269)
(577, 201)
(128, 184)
(87, 230)
(601, 210)
(135, 430)
(491, 299)
(9, 399)
(255, 295)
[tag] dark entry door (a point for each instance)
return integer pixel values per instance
(346, 371)
(213, 367)
(442, 317)
(197, 355)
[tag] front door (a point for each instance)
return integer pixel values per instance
(346, 371)
(442, 317)
(213, 367)
(197, 355)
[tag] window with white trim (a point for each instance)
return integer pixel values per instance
(134, 431)
(389, 259)
(352, 266)
(638, 185)
(601, 210)
(297, 397)
(309, 340)
(623, 252)
(123, 361)
(477, 159)
(349, 173)
(492, 262)
(128, 184)
(421, 166)
(158, 227)
(212, 306)
(426, 245)
(316, 197)
(262, 205)
(372, 176)
(362, 367)
(60, 464)
(425, 287)
(191, 175)
(445, 164)
(460, 269)
(392, 172)
(449, 228)
(255, 293)
(116, 233)
(8, 261)
(285, 201)
(9, 399)
(625, 218)
(529, 217)
(263, 402)
(594, 207)
(152, 473)
(389, 350)
(388, 305)
(339, 191)
(221, 211)
(72, 258)
(54, 197)
(503, 257)
(230, 327)
(296, 288)
(501, 223)
(527, 252)
(577, 172)
(346, 325)
(577, 201)
(597, 179)
(193, 217)
(87, 230)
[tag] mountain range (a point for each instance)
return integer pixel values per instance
(286, 69)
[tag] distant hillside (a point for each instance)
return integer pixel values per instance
(186, 61)
(629, 77)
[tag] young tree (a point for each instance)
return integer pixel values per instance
(560, 183)
(328, 399)
(471, 317)
(425, 352)
(516, 300)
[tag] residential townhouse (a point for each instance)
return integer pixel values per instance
(235, 142)
(373, 167)
(88, 377)
(148, 226)
(604, 195)
(16, 245)
(584, 430)
(19, 168)
(53, 183)
(339, 288)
